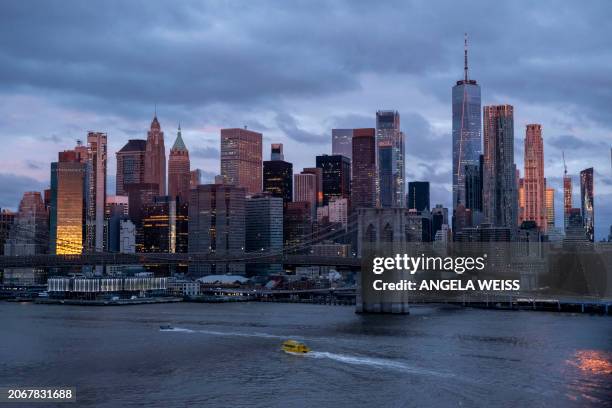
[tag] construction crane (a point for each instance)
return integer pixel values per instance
(564, 166)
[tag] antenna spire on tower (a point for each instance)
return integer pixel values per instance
(465, 59)
(564, 166)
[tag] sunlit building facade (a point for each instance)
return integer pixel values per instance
(68, 196)
(155, 157)
(550, 208)
(500, 199)
(534, 184)
(241, 159)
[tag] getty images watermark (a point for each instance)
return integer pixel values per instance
(404, 263)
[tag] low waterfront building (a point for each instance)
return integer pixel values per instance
(94, 288)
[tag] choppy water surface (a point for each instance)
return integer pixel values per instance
(229, 354)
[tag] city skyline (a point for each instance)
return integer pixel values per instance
(580, 126)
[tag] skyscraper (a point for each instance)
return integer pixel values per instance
(178, 170)
(385, 173)
(7, 222)
(241, 159)
(473, 186)
(155, 157)
(29, 236)
(418, 195)
(297, 225)
(567, 195)
(305, 190)
(96, 190)
(139, 196)
(336, 172)
(521, 197)
(587, 204)
(264, 230)
(130, 164)
(217, 226)
(550, 208)
(276, 152)
(342, 140)
(534, 184)
(391, 159)
(195, 178)
(500, 199)
(278, 175)
(466, 130)
(68, 199)
(319, 175)
(159, 225)
(363, 174)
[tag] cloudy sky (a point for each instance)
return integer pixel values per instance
(294, 70)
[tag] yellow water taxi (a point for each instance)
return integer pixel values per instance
(295, 347)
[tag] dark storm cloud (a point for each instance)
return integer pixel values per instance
(571, 142)
(421, 140)
(351, 121)
(290, 127)
(275, 66)
(124, 56)
(13, 186)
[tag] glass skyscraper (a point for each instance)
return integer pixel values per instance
(391, 159)
(467, 133)
(586, 203)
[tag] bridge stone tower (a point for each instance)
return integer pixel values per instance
(385, 232)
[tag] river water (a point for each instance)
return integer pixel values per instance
(229, 355)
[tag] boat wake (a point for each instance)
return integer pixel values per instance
(379, 363)
(375, 362)
(177, 329)
(228, 334)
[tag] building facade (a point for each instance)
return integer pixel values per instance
(29, 236)
(550, 208)
(500, 198)
(587, 204)
(130, 164)
(155, 157)
(179, 177)
(68, 204)
(96, 190)
(418, 195)
(363, 174)
(264, 230)
(278, 175)
(342, 140)
(305, 189)
(467, 135)
(217, 226)
(534, 183)
(336, 177)
(241, 159)
(391, 157)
